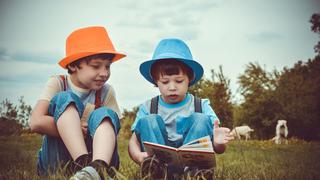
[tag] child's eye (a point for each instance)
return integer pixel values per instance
(179, 81)
(164, 82)
(95, 66)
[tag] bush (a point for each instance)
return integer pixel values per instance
(10, 127)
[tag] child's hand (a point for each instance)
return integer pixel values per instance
(142, 156)
(84, 128)
(222, 135)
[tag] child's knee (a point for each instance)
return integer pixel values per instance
(62, 101)
(150, 121)
(201, 120)
(103, 115)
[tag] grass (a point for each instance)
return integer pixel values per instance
(242, 160)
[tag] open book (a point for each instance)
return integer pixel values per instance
(195, 153)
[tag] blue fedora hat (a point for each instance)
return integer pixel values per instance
(172, 49)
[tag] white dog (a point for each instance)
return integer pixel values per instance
(242, 131)
(281, 132)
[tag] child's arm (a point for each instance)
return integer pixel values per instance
(40, 122)
(134, 150)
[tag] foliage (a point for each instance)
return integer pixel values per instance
(8, 110)
(292, 95)
(129, 117)
(10, 127)
(217, 90)
(298, 95)
(315, 27)
(260, 108)
(13, 118)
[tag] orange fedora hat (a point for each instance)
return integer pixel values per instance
(86, 42)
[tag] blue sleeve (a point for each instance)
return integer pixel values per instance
(142, 112)
(206, 109)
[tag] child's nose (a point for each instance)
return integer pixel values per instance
(172, 86)
(104, 72)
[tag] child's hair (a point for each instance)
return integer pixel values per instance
(87, 59)
(170, 67)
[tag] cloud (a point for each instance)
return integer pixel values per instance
(4, 54)
(43, 58)
(264, 37)
(199, 5)
(20, 71)
(36, 57)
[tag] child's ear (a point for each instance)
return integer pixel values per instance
(72, 68)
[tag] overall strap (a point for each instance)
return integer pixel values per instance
(197, 105)
(154, 105)
(97, 101)
(64, 82)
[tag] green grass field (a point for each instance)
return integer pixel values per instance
(242, 160)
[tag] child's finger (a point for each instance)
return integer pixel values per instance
(216, 124)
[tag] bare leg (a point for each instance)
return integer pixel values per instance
(104, 142)
(70, 132)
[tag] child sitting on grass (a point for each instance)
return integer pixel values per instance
(171, 118)
(78, 114)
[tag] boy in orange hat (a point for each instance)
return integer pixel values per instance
(78, 113)
(175, 117)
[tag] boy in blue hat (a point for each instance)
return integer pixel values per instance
(172, 118)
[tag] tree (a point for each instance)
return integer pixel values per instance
(24, 112)
(298, 94)
(8, 110)
(217, 90)
(222, 97)
(260, 109)
(13, 118)
(315, 27)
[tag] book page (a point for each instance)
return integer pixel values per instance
(164, 153)
(201, 140)
(197, 153)
(206, 146)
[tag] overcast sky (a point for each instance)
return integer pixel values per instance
(231, 33)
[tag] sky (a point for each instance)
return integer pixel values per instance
(230, 33)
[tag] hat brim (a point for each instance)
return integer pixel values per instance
(69, 59)
(145, 69)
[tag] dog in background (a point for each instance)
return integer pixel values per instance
(281, 132)
(242, 131)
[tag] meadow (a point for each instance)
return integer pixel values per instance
(243, 160)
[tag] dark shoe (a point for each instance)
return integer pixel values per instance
(76, 165)
(152, 168)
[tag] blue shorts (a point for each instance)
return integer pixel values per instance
(53, 153)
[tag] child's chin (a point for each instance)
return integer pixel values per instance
(174, 101)
(96, 87)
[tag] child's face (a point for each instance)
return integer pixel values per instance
(92, 75)
(173, 88)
